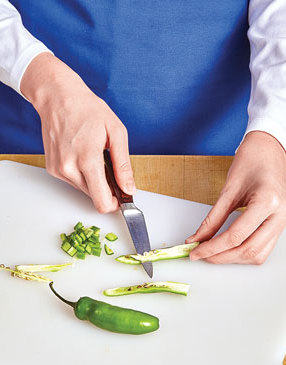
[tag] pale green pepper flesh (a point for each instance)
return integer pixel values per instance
(169, 253)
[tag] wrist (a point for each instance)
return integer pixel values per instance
(45, 78)
(262, 141)
(262, 149)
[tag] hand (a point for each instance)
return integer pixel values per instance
(76, 127)
(256, 180)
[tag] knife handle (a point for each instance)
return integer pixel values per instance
(120, 195)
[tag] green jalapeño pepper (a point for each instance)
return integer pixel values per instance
(110, 317)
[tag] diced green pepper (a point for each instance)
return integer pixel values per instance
(63, 237)
(95, 229)
(72, 251)
(80, 255)
(66, 246)
(80, 249)
(96, 251)
(108, 250)
(83, 236)
(78, 238)
(94, 238)
(88, 232)
(96, 245)
(92, 244)
(75, 241)
(76, 245)
(78, 226)
(111, 236)
(82, 241)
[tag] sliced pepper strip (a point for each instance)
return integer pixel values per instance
(41, 268)
(26, 275)
(169, 253)
(152, 287)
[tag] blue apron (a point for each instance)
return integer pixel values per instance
(175, 72)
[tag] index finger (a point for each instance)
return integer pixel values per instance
(235, 235)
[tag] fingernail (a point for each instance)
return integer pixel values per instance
(190, 239)
(130, 187)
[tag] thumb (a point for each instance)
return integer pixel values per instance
(214, 220)
(118, 146)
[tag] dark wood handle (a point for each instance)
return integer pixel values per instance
(120, 195)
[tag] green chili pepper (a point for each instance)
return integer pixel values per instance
(112, 318)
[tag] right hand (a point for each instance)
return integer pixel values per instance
(76, 127)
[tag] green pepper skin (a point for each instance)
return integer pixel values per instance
(115, 319)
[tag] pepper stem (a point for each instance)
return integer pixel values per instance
(72, 304)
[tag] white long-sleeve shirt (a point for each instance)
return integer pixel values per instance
(267, 37)
(17, 46)
(266, 34)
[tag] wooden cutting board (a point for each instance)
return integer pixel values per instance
(233, 315)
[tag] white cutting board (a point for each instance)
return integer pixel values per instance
(234, 314)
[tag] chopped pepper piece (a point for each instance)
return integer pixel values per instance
(96, 230)
(111, 237)
(108, 250)
(80, 255)
(72, 251)
(80, 248)
(94, 238)
(78, 226)
(66, 246)
(96, 251)
(64, 237)
(88, 249)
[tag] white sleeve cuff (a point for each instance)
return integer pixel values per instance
(17, 46)
(270, 126)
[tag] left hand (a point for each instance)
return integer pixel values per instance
(257, 181)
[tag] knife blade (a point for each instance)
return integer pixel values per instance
(133, 216)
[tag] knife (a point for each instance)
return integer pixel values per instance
(133, 216)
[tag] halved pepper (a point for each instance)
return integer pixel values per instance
(174, 252)
(152, 287)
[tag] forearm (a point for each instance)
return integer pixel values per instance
(18, 46)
